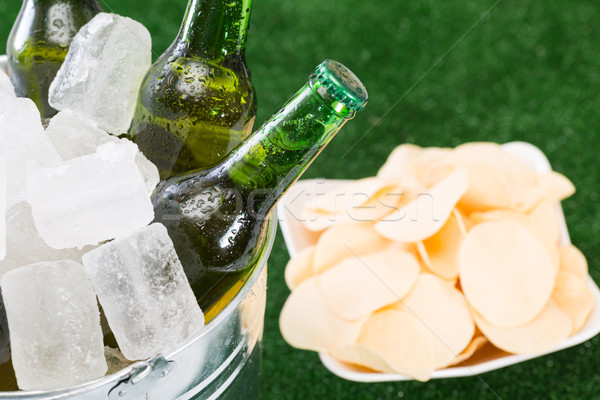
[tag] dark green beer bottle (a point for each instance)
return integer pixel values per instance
(197, 101)
(217, 218)
(4, 337)
(39, 42)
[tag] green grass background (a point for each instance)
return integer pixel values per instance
(439, 73)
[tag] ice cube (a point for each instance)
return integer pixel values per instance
(24, 245)
(74, 135)
(54, 323)
(148, 170)
(103, 71)
(7, 92)
(24, 146)
(144, 293)
(90, 199)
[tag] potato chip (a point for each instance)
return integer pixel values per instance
(356, 207)
(356, 287)
(409, 165)
(409, 247)
(546, 330)
(550, 186)
(307, 322)
(487, 189)
(444, 312)
(318, 221)
(477, 343)
(363, 356)
(545, 217)
(378, 206)
(299, 268)
(304, 238)
(291, 213)
(506, 272)
(352, 194)
(573, 295)
(431, 156)
(518, 175)
(425, 263)
(460, 222)
(547, 231)
(485, 152)
(515, 171)
(488, 186)
(364, 200)
(498, 178)
(402, 340)
(398, 166)
(425, 214)
(479, 217)
(439, 252)
(346, 240)
(572, 260)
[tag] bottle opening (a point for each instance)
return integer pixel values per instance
(342, 84)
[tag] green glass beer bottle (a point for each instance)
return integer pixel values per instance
(217, 218)
(39, 42)
(4, 337)
(197, 101)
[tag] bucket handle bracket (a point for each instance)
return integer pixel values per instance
(142, 378)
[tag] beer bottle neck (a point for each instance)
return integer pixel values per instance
(215, 29)
(278, 153)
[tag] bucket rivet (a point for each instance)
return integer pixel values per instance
(123, 393)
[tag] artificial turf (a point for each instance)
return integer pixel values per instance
(439, 73)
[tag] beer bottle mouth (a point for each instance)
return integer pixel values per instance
(342, 84)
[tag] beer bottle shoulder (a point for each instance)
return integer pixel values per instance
(192, 112)
(206, 90)
(39, 42)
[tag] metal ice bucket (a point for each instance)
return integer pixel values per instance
(222, 362)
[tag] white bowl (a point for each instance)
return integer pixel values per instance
(486, 359)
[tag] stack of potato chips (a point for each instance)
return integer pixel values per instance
(444, 250)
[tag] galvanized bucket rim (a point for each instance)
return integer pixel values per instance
(130, 369)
